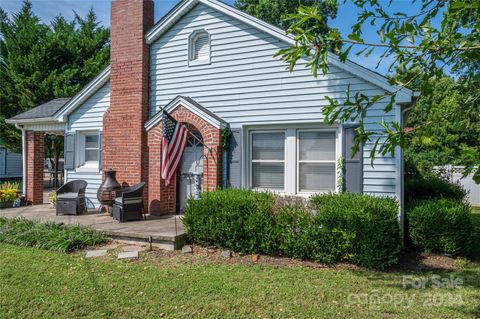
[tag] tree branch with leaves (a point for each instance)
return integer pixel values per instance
(443, 36)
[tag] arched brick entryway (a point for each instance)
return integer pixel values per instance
(161, 198)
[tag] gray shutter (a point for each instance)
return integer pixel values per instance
(100, 151)
(69, 151)
(353, 166)
(235, 159)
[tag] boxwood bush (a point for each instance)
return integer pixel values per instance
(371, 222)
(432, 187)
(301, 235)
(236, 219)
(343, 227)
(441, 225)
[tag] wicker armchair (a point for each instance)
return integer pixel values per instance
(71, 198)
(129, 203)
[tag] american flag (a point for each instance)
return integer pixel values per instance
(175, 136)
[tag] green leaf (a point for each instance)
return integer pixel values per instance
(355, 37)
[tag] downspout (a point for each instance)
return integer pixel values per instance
(24, 159)
(402, 173)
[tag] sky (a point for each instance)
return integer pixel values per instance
(347, 13)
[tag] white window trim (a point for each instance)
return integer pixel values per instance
(91, 166)
(251, 161)
(290, 130)
(297, 162)
(191, 41)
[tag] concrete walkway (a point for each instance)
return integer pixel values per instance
(162, 230)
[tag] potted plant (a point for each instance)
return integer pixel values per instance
(52, 197)
(8, 194)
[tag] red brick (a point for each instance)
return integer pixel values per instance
(162, 199)
(35, 165)
(124, 137)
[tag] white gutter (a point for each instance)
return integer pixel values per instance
(28, 121)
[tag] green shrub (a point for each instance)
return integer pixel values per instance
(441, 225)
(347, 227)
(50, 236)
(300, 235)
(432, 187)
(370, 222)
(236, 219)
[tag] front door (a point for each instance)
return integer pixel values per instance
(191, 170)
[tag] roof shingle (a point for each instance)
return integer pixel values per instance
(44, 110)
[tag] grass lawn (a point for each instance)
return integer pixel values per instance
(44, 284)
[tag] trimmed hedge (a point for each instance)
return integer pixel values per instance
(372, 222)
(301, 235)
(432, 187)
(346, 227)
(236, 219)
(441, 225)
(50, 236)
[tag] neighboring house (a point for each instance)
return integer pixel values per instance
(211, 67)
(10, 164)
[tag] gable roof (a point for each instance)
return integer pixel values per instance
(404, 95)
(87, 91)
(57, 110)
(190, 104)
(41, 112)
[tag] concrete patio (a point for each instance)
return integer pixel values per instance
(166, 232)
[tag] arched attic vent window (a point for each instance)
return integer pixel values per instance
(199, 48)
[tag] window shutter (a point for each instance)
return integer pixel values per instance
(201, 47)
(353, 166)
(69, 151)
(235, 159)
(100, 151)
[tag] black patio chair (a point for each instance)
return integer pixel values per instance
(71, 198)
(129, 203)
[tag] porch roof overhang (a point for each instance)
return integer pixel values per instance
(191, 105)
(52, 115)
(41, 117)
(42, 113)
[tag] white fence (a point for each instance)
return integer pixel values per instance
(454, 174)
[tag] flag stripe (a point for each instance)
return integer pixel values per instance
(174, 140)
(176, 146)
(177, 157)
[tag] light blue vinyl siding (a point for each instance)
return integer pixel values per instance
(246, 85)
(89, 116)
(10, 163)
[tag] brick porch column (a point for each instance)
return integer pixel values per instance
(35, 164)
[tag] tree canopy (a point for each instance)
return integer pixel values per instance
(442, 127)
(276, 12)
(40, 62)
(443, 36)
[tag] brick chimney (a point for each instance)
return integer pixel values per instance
(124, 137)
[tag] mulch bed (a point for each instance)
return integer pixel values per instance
(410, 260)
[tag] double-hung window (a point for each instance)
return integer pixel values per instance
(268, 160)
(88, 149)
(91, 148)
(316, 161)
(293, 160)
